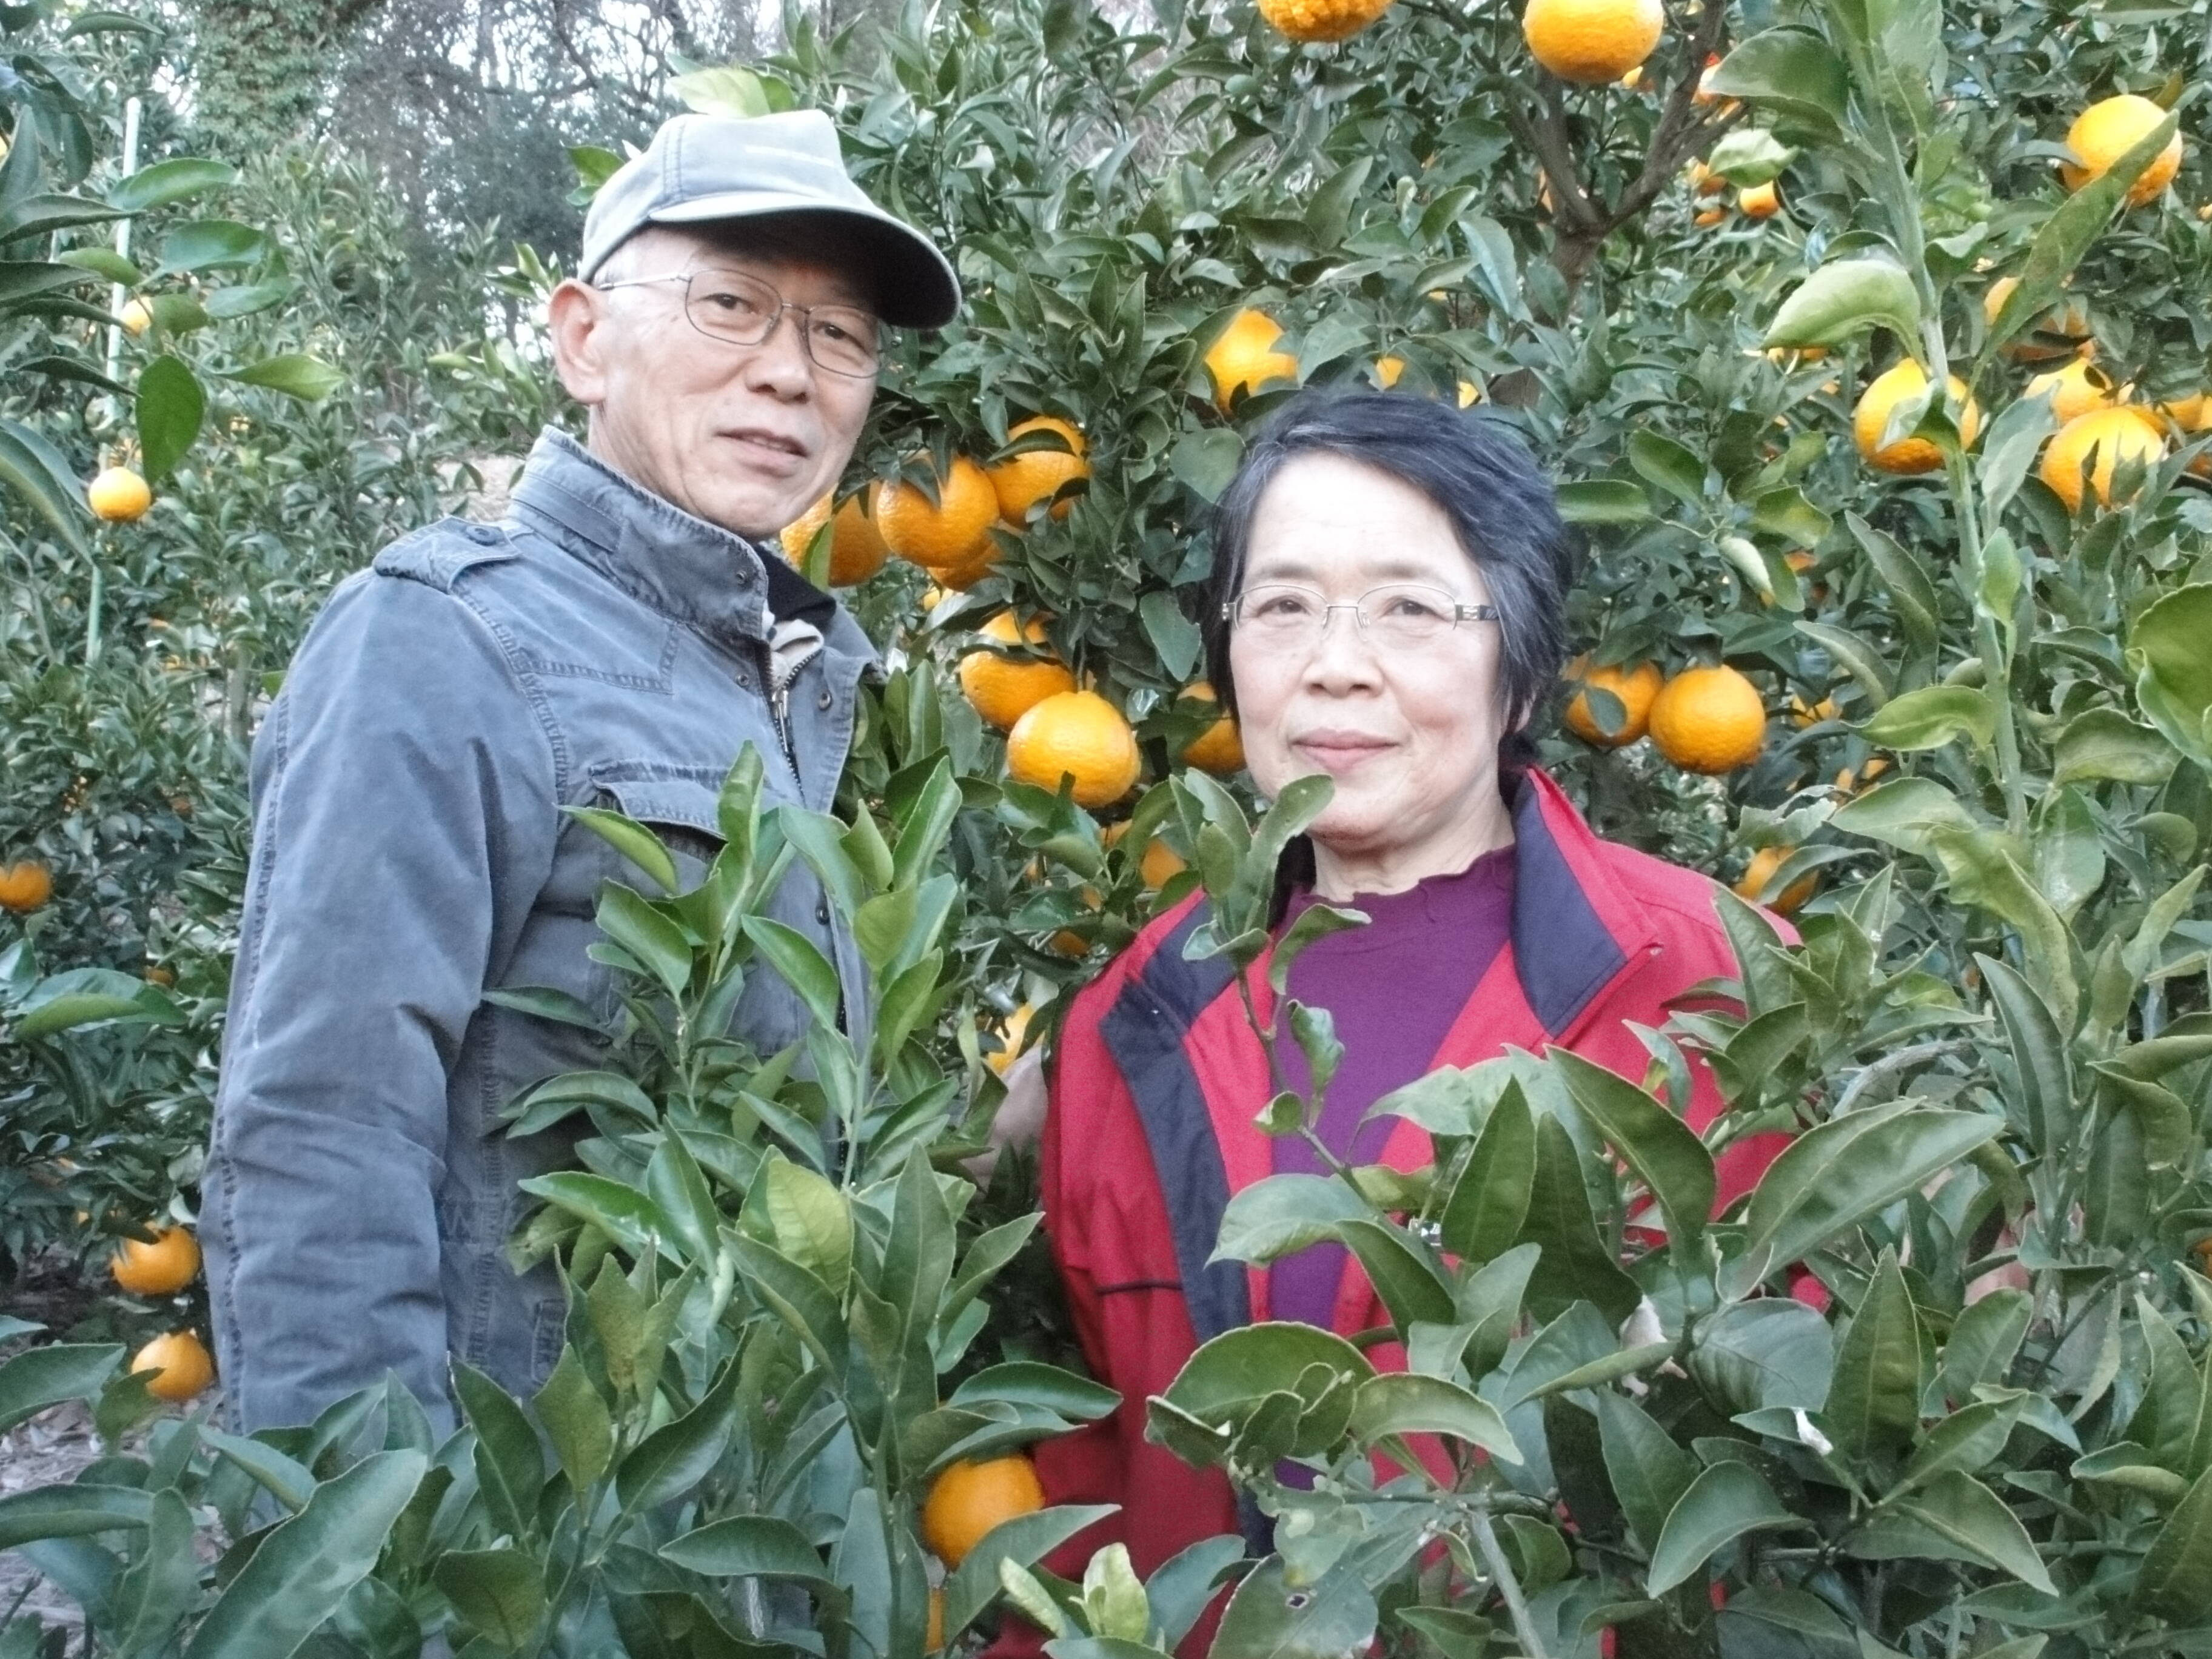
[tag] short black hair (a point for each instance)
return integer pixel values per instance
(1479, 477)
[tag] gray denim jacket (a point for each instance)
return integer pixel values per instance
(599, 648)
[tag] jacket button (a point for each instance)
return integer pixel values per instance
(821, 911)
(823, 701)
(483, 534)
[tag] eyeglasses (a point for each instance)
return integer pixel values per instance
(729, 304)
(1398, 614)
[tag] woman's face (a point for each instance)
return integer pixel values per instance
(1410, 734)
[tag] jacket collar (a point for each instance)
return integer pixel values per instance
(1575, 927)
(689, 570)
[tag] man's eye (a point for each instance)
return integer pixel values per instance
(729, 303)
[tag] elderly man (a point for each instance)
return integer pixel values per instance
(617, 641)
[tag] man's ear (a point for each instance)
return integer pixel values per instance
(578, 319)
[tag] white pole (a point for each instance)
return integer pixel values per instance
(122, 237)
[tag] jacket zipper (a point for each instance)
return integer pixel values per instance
(779, 703)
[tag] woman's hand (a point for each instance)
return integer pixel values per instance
(1021, 1114)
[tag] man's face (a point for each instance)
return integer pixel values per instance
(745, 437)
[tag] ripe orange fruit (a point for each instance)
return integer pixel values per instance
(1037, 475)
(119, 495)
(1760, 201)
(2069, 322)
(1764, 863)
(969, 1499)
(135, 318)
(1635, 687)
(183, 1362)
(1469, 394)
(1009, 1049)
(1160, 864)
(1219, 748)
(933, 1637)
(1080, 735)
(952, 531)
(1704, 94)
(24, 885)
(1321, 20)
(1067, 941)
(1388, 369)
(1004, 689)
(1907, 455)
(2108, 129)
(160, 1267)
(1705, 180)
(1710, 218)
(1709, 719)
(1803, 713)
(1244, 358)
(856, 549)
(1859, 782)
(2077, 389)
(2114, 436)
(1592, 41)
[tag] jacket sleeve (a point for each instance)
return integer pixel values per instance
(404, 821)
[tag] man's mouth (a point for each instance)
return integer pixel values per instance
(772, 447)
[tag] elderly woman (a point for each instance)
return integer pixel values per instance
(1388, 607)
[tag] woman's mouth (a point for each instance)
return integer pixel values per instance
(1338, 752)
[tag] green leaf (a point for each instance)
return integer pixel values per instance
(2104, 743)
(803, 966)
(72, 1510)
(1984, 1338)
(161, 1586)
(1838, 1173)
(1575, 1266)
(1602, 501)
(171, 407)
(1269, 1618)
(1791, 71)
(105, 262)
(1181, 1588)
(176, 180)
(723, 89)
(500, 1594)
(1970, 1516)
(806, 1219)
(30, 466)
(1853, 655)
(43, 1377)
(1843, 297)
(1967, 1441)
(1664, 1151)
(1648, 1472)
(1024, 1540)
(305, 1566)
(285, 1479)
(749, 1547)
(1280, 1214)
(1208, 460)
(2042, 1072)
(2172, 670)
(2176, 1580)
(1673, 467)
(1410, 1282)
(1769, 1352)
(1874, 1403)
(294, 374)
(212, 244)
(576, 1421)
(1402, 1402)
(1239, 1367)
(1490, 1201)
(1931, 717)
(1723, 1504)
(1984, 871)
(630, 919)
(1750, 156)
(1033, 1383)
(1173, 635)
(674, 1459)
(633, 840)
(1906, 812)
(510, 1468)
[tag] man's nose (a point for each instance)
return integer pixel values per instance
(780, 364)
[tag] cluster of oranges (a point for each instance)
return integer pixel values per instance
(1708, 719)
(178, 1362)
(2101, 429)
(949, 528)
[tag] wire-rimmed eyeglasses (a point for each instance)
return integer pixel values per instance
(1397, 613)
(742, 309)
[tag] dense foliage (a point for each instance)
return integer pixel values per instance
(1987, 1434)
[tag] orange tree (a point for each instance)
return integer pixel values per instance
(1993, 1043)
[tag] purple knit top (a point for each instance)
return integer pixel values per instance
(1395, 988)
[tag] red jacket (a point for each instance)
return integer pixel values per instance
(1157, 1078)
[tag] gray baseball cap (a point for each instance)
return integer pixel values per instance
(705, 168)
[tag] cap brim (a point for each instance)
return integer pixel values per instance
(912, 283)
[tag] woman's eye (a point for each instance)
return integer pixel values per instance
(1282, 606)
(1412, 608)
